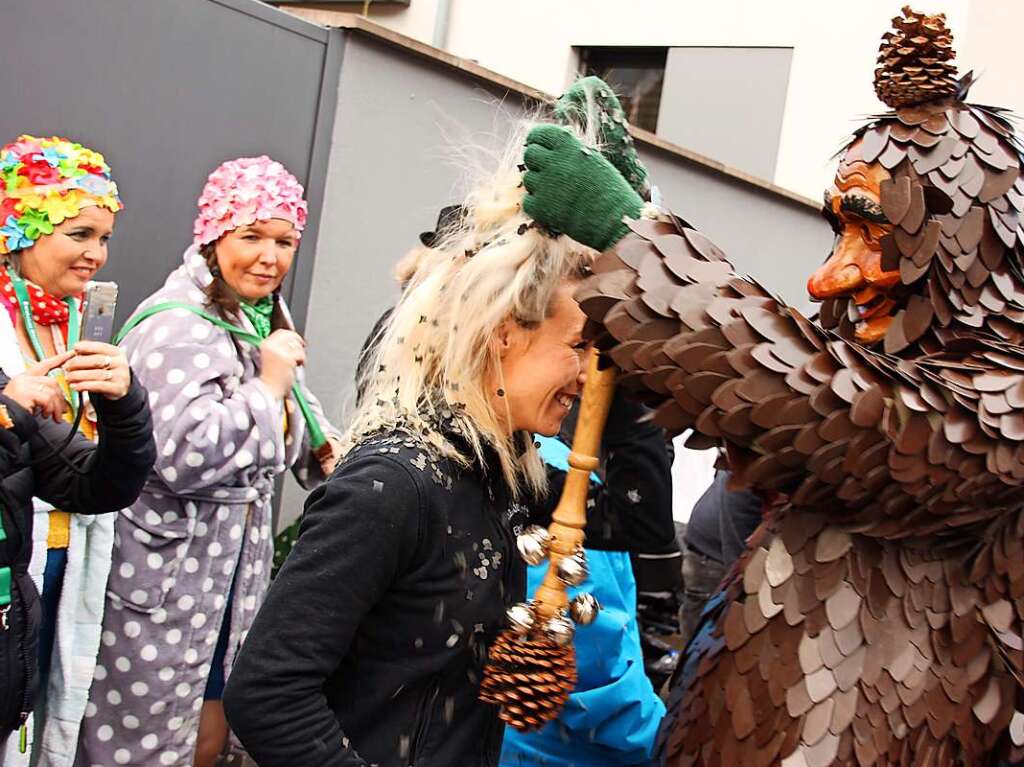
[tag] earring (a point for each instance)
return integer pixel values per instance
(215, 270)
(501, 392)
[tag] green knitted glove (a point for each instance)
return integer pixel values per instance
(575, 191)
(573, 108)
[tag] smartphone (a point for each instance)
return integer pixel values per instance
(98, 314)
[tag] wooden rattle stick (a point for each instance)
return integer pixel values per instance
(570, 517)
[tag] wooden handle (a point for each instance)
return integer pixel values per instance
(570, 517)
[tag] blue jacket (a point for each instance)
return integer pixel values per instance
(612, 718)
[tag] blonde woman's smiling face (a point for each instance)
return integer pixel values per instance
(542, 370)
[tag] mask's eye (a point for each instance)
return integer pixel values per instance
(867, 235)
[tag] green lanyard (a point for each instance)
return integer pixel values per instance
(5, 581)
(316, 434)
(25, 305)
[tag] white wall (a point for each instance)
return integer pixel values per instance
(835, 45)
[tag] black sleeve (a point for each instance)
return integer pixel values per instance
(359, 532)
(25, 424)
(114, 469)
(631, 510)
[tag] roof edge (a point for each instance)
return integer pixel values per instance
(360, 24)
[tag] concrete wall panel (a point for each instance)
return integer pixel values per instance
(727, 103)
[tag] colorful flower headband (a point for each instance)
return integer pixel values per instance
(45, 181)
(243, 191)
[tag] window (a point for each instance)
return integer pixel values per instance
(635, 74)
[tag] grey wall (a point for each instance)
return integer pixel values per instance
(393, 164)
(166, 91)
(727, 103)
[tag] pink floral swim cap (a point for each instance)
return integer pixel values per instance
(243, 191)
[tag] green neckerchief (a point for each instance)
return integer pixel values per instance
(259, 314)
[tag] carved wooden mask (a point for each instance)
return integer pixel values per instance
(855, 268)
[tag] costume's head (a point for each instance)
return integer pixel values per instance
(926, 205)
(243, 191)
(46, 181)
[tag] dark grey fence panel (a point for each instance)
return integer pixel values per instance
(166, 90)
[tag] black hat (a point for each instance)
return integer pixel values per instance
(449, 218)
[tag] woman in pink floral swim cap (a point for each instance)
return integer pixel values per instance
(192, 558)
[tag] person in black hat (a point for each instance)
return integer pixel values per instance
(448, 219)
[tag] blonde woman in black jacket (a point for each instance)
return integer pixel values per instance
(370, 646)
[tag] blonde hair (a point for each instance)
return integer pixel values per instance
(409, 264)
(436, 359)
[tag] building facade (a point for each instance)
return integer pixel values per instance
(769, 88)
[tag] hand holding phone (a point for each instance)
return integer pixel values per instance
(98, 367)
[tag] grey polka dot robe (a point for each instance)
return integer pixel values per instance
(202, 523)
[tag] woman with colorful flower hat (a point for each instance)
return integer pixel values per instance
(215, 348)
(57, 208)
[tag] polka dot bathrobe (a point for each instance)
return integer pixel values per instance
(202, 523)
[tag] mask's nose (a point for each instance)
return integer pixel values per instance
(841, 274)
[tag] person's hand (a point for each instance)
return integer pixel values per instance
(37, 392)
(328, 460)
(592, 99)
(99, 368)
(573, 190)
(280, 353)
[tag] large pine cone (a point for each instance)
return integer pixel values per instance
(530, 679)
(916, 60)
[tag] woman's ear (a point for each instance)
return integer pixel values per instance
(504, 338)
(512, 338)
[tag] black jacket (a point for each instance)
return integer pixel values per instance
(370, 646)
(113, 472)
